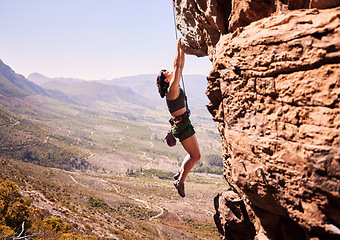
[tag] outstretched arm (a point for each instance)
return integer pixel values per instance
(178, 68)
(179, 61)
(179, 57)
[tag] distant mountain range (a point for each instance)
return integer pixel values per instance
(91, 92)
(41, 80)
(143, 85)
(195, 86)
(140, 90)
(74, 91)
(88, 92)
(16, 85)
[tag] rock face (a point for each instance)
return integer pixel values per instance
(275, 91)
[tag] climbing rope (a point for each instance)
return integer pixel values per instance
(174, 15)
(175, 23)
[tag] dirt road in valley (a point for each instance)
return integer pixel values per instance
(147, 204)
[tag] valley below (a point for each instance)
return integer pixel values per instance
(104, 171)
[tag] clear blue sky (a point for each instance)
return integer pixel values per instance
(90, 39)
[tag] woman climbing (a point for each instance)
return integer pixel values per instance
(169, 85)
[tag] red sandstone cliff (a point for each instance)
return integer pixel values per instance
(274, 90)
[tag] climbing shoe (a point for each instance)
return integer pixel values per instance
(180, 188)
(177, 176)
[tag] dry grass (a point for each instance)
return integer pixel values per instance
(140, 207)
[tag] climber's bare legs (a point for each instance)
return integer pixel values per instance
(191, 146)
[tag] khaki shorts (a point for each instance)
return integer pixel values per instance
(183, 129)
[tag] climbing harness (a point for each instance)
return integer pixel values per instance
(178, 119)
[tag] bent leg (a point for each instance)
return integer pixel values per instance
(191, 146)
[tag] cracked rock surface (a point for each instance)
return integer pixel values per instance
(275, 91)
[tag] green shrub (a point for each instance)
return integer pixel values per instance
(56, 224)
(14, 210)
(98, 203)
(165, 175)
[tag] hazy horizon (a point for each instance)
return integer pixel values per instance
(110, 79)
